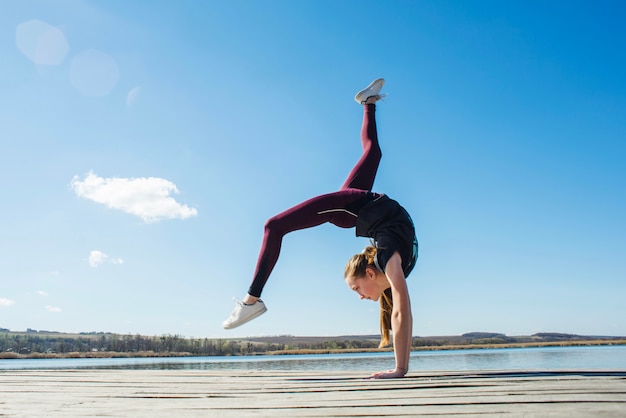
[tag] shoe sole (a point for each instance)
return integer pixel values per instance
(250, 318)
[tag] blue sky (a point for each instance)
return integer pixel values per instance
(143, 148)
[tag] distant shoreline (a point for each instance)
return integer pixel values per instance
(459, 347)
(152, 354)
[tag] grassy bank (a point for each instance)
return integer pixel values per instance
(88, 354)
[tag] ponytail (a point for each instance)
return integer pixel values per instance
(356, 268)
(386, 307)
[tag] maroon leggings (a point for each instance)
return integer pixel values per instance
(332, 207)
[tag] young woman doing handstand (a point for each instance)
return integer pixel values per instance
(380, 271)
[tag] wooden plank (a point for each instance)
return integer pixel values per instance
(167, 393)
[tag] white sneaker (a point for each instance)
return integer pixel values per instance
(244, 313)
(373, 90)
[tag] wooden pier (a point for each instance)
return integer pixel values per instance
(189, 393)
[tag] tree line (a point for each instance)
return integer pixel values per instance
(30, 343)
(98, 344)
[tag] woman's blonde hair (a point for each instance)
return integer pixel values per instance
(356, 268)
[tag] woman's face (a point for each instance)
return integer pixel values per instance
(366, 286)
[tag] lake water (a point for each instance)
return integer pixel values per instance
(544, 359)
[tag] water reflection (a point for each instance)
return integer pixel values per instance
(279, 363)
(547, 358)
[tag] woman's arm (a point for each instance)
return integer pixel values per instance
(401, 318)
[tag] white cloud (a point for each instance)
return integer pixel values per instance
(97, 257)
(52, 308)
(5, 303)
(146, 197)
(42, 293)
